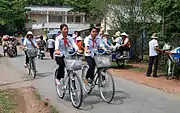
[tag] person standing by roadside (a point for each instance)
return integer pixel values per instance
(51, 47)
(153, 56)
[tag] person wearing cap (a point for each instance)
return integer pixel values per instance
(125, 44)
(153, 55)
(79, 42)
(118, 39)
(29, 42)
(105, 42)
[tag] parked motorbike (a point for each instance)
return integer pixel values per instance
(11, 50)
(41, 54)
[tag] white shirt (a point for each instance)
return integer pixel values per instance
(88, 41)
(152, 44)
(59, 44)
(50, 43)
(28, 44)
(118, 41)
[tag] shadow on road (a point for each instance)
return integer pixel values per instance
(90, 100)
(44, 74)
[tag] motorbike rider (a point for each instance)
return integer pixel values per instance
(29, 43)
(14, 42)
(41, 43)
(5, 40)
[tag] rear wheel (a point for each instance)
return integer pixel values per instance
(106, 86)
(120, 63)
(87, 87)
(76, 92)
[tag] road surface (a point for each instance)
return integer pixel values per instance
(130, 97)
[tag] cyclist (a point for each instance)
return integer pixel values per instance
(92, 44)
(29, 43)
(63, 43)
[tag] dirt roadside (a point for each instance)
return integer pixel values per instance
(17, 95)
(136, 73)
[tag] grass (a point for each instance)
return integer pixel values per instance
(53, 109)
(139, 69)
(6, 104)
(46, 103)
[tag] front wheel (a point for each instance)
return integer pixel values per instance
(87, 87)
(33, 68)
(106, 86)
(75, 89)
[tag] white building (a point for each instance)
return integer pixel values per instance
(47, 18)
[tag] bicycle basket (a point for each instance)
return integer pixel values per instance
(31, 53)
(103, 61)
(73, 64)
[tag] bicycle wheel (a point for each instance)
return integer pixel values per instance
(59, 89)
(106, 86)
(28, 69)
(87, 87)
(76, 93)
(33, 68)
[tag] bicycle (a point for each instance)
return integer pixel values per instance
(72, 81)
(31, 66)
(101, 77)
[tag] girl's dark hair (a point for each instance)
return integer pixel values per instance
(63, 25)
(92, 29)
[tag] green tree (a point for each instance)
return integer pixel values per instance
(45, 2)
(12, 16)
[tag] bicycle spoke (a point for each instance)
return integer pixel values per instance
(87, 86)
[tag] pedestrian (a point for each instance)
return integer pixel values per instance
(153, 55)
(51, 47)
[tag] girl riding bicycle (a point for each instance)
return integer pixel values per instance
(29, 43)
(92, 44)
(63, 43)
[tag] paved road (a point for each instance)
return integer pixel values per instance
(130, 97)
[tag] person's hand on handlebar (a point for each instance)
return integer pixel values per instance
(57, 52)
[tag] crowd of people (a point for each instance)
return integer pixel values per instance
(87, 46)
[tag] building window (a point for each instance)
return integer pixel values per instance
(78, 19)
(55, 18)
(70, 19)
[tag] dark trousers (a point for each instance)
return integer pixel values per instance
(122, 48)
(26, 57)
(152, 60)
(92, 64)
(51, 51)
(61, 72)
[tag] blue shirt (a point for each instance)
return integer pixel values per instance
(22, 40)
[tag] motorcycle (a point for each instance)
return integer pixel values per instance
(11, 51)
(41, 54)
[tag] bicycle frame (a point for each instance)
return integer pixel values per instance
(96, 76)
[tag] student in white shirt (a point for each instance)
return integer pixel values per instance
(62, 43)
(92, 44)
(153, 56)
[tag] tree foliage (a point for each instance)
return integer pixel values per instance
(12, 15)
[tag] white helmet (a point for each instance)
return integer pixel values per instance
(79, 38)
(29, 33)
